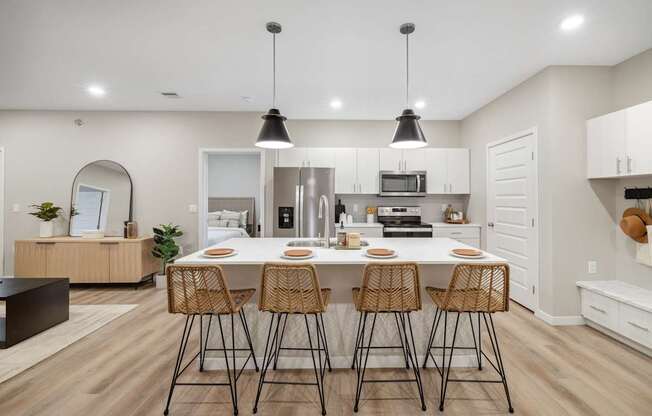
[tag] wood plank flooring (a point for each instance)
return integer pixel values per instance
(124, 369)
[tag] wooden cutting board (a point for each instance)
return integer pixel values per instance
(467, 252)
(297, 253)
(218, 251)
(380, 252)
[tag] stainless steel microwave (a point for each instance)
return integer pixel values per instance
(399, 183)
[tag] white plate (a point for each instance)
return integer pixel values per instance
(311, 255)
(482, 255)
(372, 256)
(208, 256)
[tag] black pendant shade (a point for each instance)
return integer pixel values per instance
(274, 134)
(408, 134)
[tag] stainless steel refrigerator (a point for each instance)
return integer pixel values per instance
(296, 201)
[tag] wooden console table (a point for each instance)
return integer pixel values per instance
(85, 260)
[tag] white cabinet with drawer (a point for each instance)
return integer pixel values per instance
(464, 233)
(623, 309)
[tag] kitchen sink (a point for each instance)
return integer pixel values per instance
(317, 243)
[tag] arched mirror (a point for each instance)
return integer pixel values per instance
(101, 199)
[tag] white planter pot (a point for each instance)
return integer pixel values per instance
(46, 229)
(161, 281)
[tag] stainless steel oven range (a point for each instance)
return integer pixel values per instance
(404, 222)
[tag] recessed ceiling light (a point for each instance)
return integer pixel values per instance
(571, 22)
(420, 104)
(336, 103)
(96, 91)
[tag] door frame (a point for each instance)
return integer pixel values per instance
(2, 211)
(203, 187)
(533, 131)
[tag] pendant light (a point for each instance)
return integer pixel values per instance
(408, 134)
(274, 134)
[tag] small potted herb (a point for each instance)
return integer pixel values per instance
(165, 248)
(47, 212)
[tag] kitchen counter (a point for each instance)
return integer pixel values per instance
(341, 270)
(256, 251)
(360, 225)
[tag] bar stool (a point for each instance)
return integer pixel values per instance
(202, 290)
(387, 288)
(293, 289)
(482, 289)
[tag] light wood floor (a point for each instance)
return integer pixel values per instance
(125, 367)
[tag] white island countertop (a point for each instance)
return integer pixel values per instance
(264, 250)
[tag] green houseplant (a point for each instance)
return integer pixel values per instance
(46, 212)
(165, 247)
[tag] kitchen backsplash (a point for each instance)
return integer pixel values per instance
(431, 205)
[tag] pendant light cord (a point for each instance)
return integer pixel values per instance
(407, 71)
(274, 70)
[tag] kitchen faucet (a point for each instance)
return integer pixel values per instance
(323, 201)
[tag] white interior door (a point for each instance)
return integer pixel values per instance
(512, 211)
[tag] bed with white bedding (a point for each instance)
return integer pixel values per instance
(218, 234)
(223, 221)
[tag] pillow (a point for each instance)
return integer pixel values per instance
(215, 215)
(241, 216)
(224, 223)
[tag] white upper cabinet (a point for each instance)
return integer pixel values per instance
(368, 169)
(606, 143)
(414, 159)
(345, 171)
(638, 128)
(448, 171)
(459, 172)
(391, 159)
(292, 158)
(437, 178)
(620, 143)
(320, 158)
(402, 160)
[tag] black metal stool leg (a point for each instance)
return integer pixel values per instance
(208, 332)
(415, 366)
(182, 350)
(357, 341)
(363, 368)
(403, 349)
(318, 371)
(475, 345)
(266, 359)
(232, 383)
(359, 346)
(323, 334)
(443, 363)
(431, 339)
(450, 362)
(279, 342)
(499, 358)
(243, 320)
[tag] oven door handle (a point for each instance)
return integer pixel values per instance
(418, 182)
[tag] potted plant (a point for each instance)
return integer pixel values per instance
(46, 212)
(165, 248)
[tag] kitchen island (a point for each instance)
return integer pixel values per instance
(341, 270)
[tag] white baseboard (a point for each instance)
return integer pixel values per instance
(385, 361)
(559, 320)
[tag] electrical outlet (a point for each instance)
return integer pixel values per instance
(192, 208)
(592, 266)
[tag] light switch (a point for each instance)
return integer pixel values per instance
(192, 208)
(592, 266)
(15, 208)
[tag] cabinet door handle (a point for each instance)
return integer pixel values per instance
(451, 187)
(597, 309)
(635, 325)
(47, 243)
(618, 165)
(109, 243)
(629, 164)
(456, 233)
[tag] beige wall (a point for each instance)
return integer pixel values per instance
(578, 218)
(45, 149)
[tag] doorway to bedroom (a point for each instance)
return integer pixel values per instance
(231, 195)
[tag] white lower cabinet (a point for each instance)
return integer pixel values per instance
(468, 234)
(621, 308)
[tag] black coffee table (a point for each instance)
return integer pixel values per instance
(32, 306)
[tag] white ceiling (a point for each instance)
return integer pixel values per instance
(212, 52)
